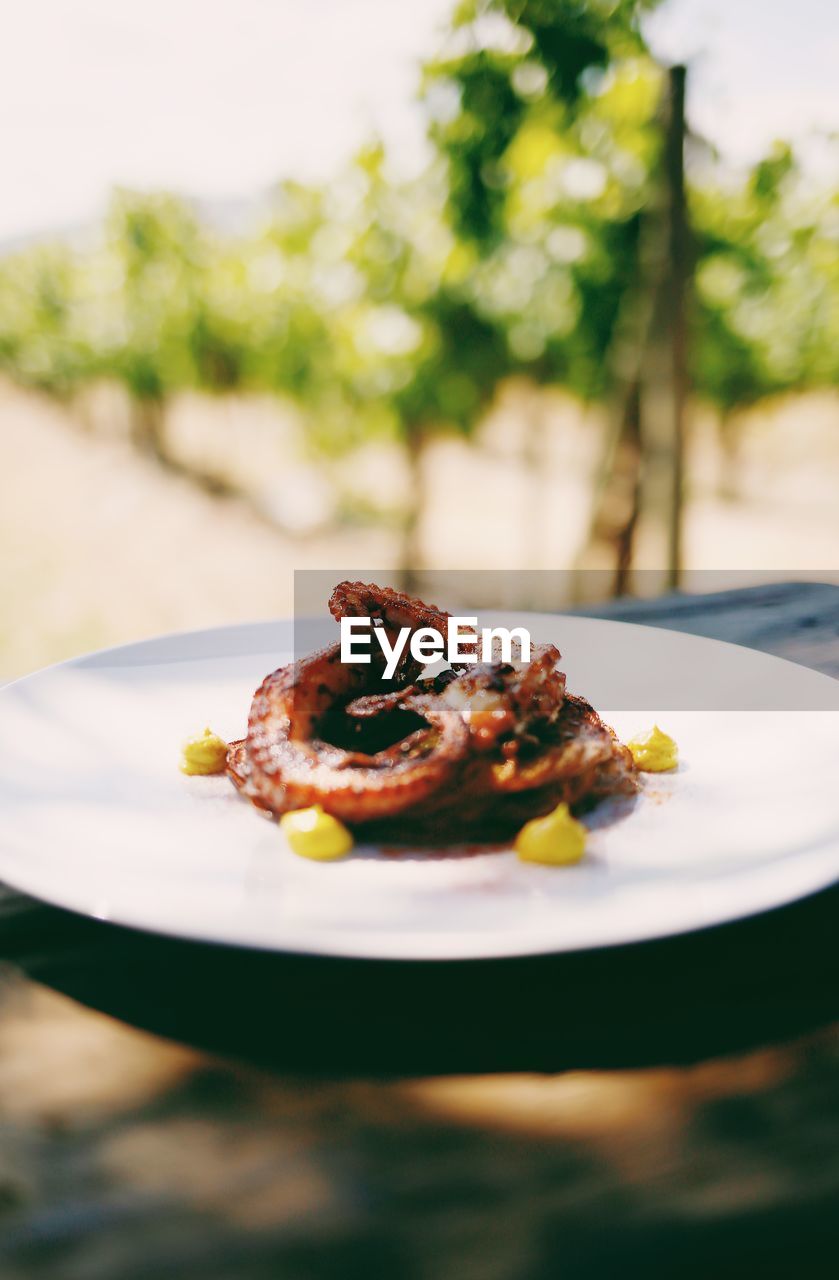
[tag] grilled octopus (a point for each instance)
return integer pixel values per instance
(472, 749)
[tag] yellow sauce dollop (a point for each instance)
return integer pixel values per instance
(654, 751)
(205, 753)
(312, 833)
(557, 839)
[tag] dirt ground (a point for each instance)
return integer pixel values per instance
(99, 546)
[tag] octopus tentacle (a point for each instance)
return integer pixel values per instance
(393, 610)
(289, 767)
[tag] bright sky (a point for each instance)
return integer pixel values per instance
(218, 98)
(758, 69)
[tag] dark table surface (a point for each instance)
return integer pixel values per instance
(668, 1108)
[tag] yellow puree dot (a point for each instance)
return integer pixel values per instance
(312, 833)
(557, 839)
(654, 751)
(205, 753)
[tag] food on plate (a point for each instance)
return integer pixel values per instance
(558, 839)
(312, 833)
(203, 754)
(470, 753)
(654, 751)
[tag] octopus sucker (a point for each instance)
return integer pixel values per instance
(470, 753)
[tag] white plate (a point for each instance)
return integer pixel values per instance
(95, 815)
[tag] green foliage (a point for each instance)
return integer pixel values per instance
(514, 58)
(178, 316)
(476, 139)
(385, 306)
(42, 301)
(545, 115)
(367, 324)
(765, 313)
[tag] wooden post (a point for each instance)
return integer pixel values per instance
(677, 285)
(637, 512)
(658, 536)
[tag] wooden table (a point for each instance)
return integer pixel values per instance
(669, 1109)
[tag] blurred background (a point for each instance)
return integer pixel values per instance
(508, 284)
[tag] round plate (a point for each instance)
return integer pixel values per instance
(96, 816)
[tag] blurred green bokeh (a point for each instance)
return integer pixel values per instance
(395, 308)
